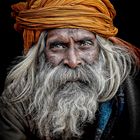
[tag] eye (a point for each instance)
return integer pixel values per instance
(86, 43)
(57, 45)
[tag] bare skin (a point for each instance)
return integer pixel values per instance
(71, 47)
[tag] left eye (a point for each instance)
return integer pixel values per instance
(86, 43)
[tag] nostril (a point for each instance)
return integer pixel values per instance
(79, 62)
(67, 66)
(65, 62)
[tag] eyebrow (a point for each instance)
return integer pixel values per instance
(57, 40)
(63, 41)
(86, 38)
(54, 42)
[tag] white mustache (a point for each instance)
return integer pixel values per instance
(61, 75)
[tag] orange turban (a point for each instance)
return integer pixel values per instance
(34, 16)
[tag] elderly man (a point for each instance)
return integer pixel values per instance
(75, 79)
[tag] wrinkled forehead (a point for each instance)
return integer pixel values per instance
(70, 32)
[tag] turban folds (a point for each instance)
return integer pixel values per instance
(34, 16)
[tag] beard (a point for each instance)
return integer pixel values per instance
(66, 99)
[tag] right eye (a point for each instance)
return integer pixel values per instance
(57, 46)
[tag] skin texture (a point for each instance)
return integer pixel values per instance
(71, 47)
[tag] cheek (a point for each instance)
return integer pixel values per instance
(90, 56)
(54, 59)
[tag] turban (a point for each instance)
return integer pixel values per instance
(34, 16)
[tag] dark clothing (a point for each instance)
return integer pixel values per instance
(15, 125)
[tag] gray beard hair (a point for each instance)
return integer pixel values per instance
(66, 99)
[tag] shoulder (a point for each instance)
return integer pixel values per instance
(12, 114)
(14, 123)
(132, 92)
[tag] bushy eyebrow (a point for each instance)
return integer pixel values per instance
(59, 41)
(54, 42)
(85, 39)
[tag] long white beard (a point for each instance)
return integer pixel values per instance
(75, 105)
(65, 100)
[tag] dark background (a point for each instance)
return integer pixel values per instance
(127, 21)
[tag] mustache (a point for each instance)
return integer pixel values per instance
(62, 75)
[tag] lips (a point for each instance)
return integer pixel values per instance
(77, 81)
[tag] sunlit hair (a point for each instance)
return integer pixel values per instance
(57, 105)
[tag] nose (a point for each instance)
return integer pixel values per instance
(72, 59)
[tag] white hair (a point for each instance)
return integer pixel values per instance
(58, 106)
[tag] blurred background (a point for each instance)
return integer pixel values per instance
(127, 21)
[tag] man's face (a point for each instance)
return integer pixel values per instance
(71, 47)
(68, 82)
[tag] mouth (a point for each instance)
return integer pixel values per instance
(81, 82)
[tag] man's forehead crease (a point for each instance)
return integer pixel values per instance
(76, 36)
(58, 35)
(79, 32)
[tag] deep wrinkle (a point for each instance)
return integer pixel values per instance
(72, 47)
